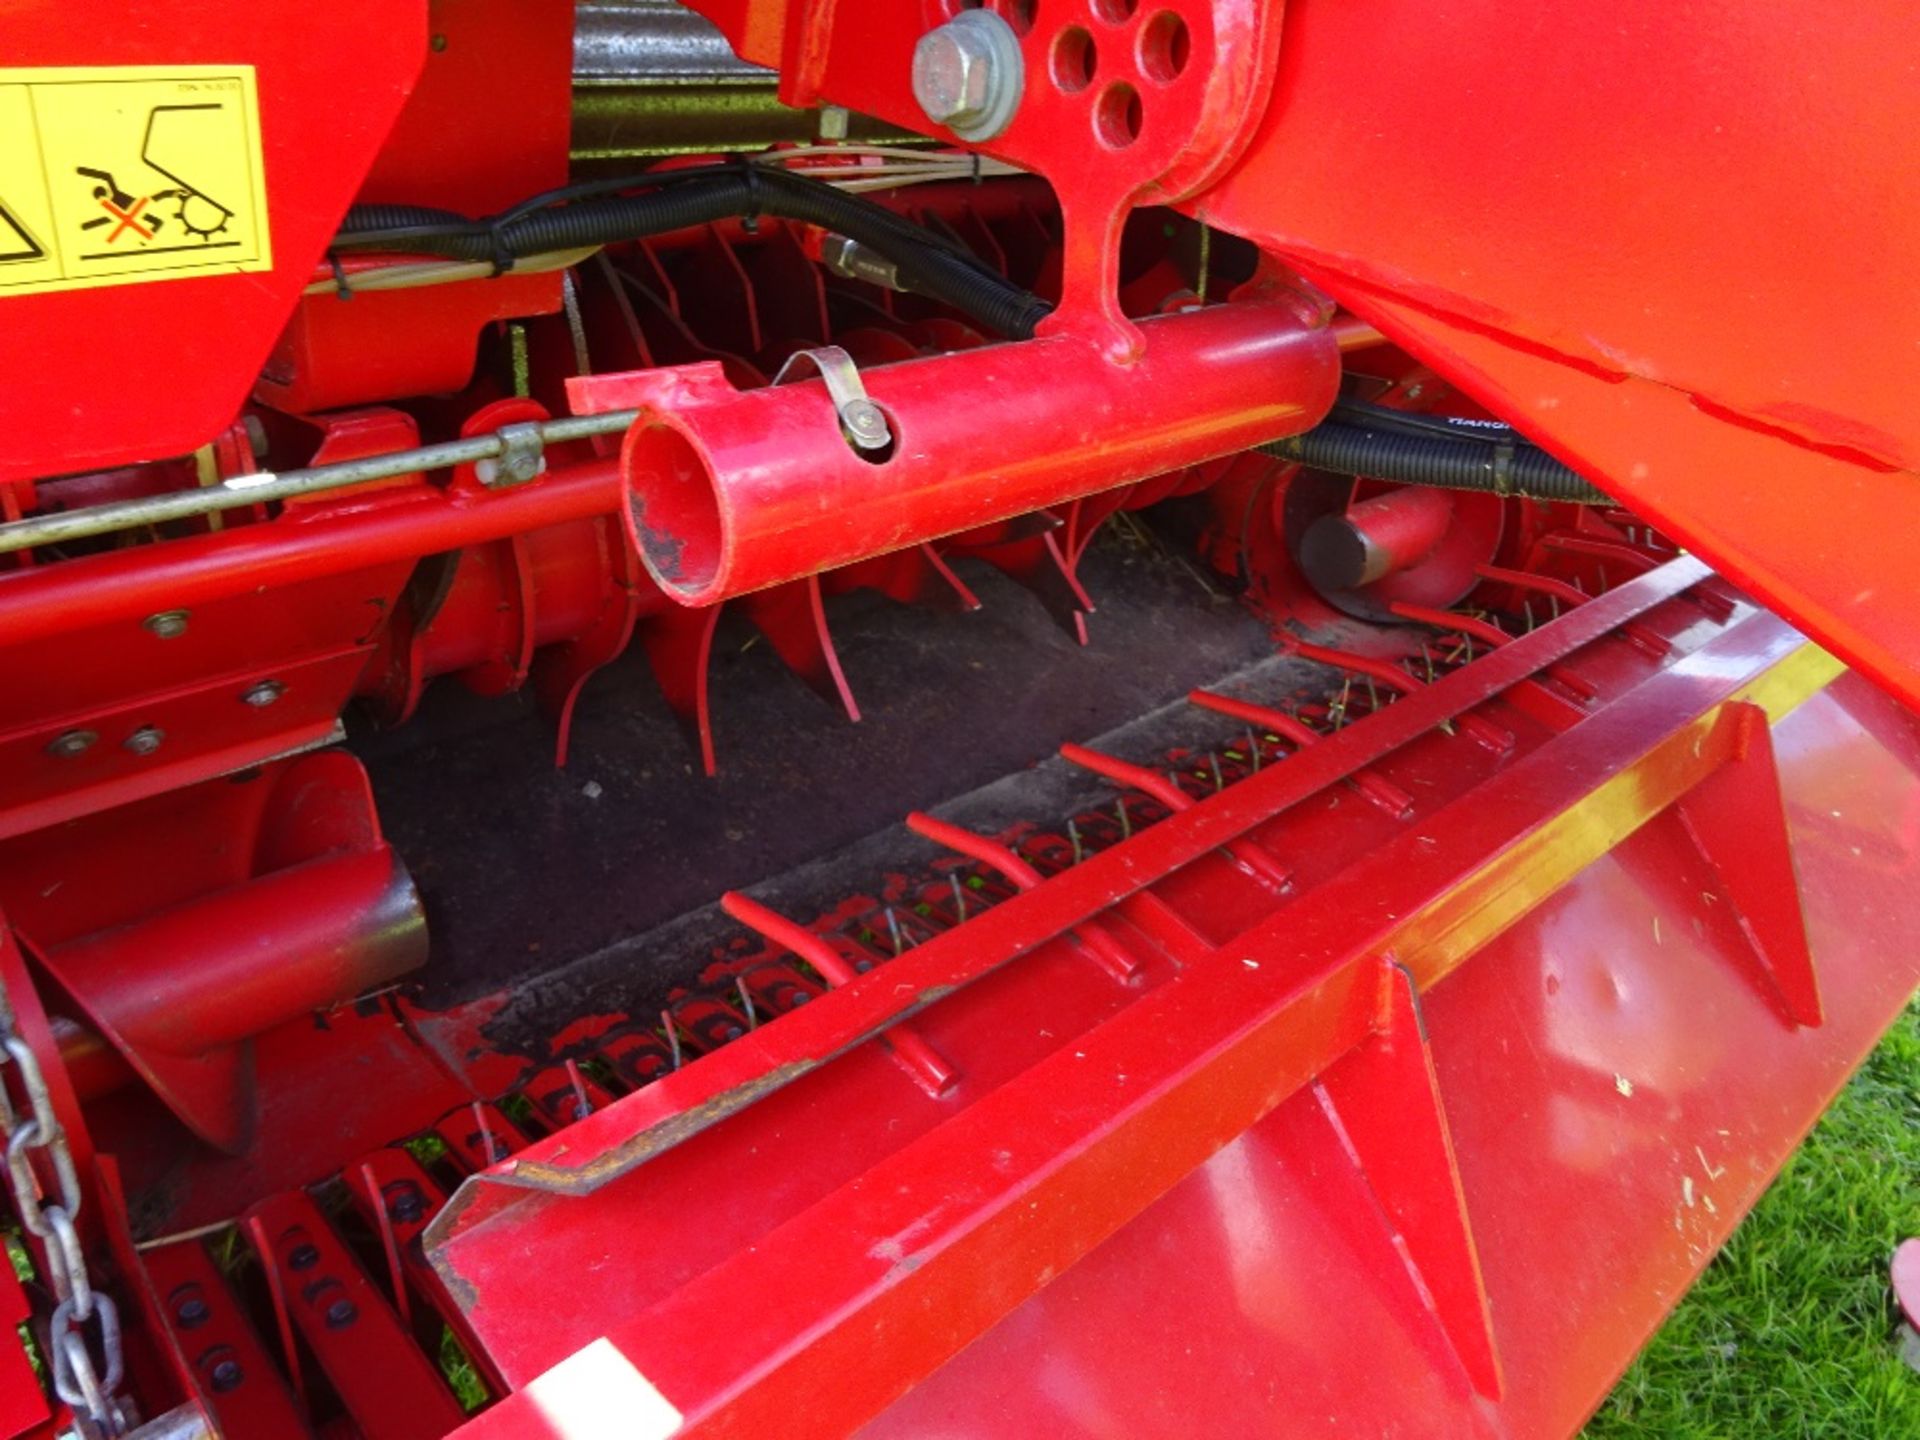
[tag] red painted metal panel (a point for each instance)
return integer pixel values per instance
(1665, 127)
(196, 731)
(1587, 1061)
(865, 1292)
(1589, 1067)
(1557, 244)
(339, 351)
(880, 1230)
(102, 376)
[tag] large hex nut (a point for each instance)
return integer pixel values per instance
(968, 74)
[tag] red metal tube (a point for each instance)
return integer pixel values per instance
(1375, 538)
(301, 545)
(731, 492)
(220, 969)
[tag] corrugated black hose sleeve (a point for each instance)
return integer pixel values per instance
(1463, 463)
(926, 263)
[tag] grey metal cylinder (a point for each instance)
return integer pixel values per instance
(650, 77)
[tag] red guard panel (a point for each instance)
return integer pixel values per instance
(102, 376)
(1674, 242)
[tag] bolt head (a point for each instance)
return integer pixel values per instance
(145, 740)
(71, 743)
(264, 694)
(952, 72)
(167, 624)
(866, 424)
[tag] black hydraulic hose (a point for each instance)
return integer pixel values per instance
(926, 263)
(1457, 427)
(1466, 463)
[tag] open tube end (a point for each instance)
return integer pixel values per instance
(672, 512)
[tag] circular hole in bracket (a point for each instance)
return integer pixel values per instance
(1117, 115)
(1020, 14)
(1115, 12)
(1165, 47)
(1073, 59)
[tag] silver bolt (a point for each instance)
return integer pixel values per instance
(167, 624)
(264, 694)
(968, 74)
(145, 740)
(866, 424)
(71, 743)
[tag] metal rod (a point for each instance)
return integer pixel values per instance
(176, 1237)
(243, 490)
(486, 1134)
(277, 1288)
(389, 1244)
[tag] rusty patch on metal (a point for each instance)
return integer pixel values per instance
(663, 549)
(459, 1289)
(655, 1139)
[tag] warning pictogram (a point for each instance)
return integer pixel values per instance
(118, 175)
(16, 241)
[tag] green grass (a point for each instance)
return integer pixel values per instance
(1790, 1331)
(463, 1377)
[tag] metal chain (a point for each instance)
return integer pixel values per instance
(77, 1379)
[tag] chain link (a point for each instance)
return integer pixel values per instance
(76, 1378)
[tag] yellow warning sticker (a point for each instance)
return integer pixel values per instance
(121, 174)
